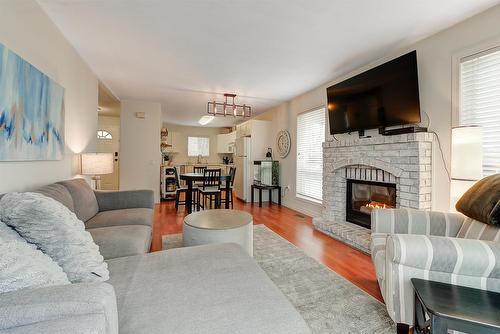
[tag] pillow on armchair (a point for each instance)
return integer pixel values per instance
(482, 201)
(57, 232)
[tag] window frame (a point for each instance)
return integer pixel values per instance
(106, 133)
(299, 195)
(208, 146)
(457, 59)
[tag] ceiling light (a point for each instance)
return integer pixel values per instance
(238, 109)
(205, 120)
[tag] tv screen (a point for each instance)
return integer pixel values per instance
(384, 96)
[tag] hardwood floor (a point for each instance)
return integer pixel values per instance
(348, 262)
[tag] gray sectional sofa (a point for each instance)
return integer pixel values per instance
(120, 222)
(204, 289)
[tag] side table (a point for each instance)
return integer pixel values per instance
(261, 187)
(453, 307)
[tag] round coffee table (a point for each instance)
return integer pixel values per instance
(219, 226)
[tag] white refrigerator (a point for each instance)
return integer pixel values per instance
(244, 172)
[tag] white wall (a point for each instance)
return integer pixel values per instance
(195, 131)
(437, 57)
(140, 146)
(26, 30)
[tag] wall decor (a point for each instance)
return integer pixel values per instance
(284, 143)
(31, 111)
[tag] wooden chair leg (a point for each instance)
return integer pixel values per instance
(177, 201)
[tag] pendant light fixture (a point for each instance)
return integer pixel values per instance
(229, 107)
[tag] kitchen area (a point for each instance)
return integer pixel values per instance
(184, 147)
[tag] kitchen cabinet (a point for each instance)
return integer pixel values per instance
(225, 142)
(244, 129)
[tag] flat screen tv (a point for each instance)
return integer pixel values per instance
(384, 96)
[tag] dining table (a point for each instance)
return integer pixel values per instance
(190, 178)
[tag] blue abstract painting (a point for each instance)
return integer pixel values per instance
(31, 111)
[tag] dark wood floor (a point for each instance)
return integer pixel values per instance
(350, 263)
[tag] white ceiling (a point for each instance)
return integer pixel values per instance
(184, 53)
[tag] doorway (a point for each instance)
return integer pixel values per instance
(108, 134)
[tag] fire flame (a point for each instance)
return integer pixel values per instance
(378, 205)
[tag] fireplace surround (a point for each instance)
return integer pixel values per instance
(402, 160)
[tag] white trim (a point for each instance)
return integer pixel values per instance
(447, 225)
(460, 259)
(401, 281)
(491, 264)
(430, 257)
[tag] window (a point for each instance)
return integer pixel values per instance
(310, 138)
(198, 146)
(480, 102)
(103, 134)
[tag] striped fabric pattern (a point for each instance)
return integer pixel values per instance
(410, 221)
(443, 247)
(473, 229)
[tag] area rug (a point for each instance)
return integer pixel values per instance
(327, 302)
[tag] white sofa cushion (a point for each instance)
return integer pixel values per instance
(24, 266)
(57, 232)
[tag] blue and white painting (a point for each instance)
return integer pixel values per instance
(31, 111)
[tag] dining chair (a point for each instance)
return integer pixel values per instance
(183, 190)
(199, 170)
(232, 174)
(210, 189)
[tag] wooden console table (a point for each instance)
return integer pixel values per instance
(261, 187)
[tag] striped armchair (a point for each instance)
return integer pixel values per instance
(445, 247)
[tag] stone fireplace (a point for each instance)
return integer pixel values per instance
(401, 164)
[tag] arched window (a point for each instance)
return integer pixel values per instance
(103, 134)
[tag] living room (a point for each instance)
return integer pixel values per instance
(249, 167)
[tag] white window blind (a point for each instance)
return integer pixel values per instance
(480, 102)
(198, 146)
(310, 138)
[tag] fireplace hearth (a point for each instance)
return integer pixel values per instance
(364, 196)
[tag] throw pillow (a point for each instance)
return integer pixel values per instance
(57, 232)
(481, 200)
(24, 266)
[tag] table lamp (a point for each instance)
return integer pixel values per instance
(97, 164)
(466, 160)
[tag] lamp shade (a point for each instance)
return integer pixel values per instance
(467, 153)
(97, 163)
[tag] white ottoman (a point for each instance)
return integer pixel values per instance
(219, 226)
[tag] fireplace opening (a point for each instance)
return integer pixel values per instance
(364, 196)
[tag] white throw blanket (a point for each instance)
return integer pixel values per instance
(24, 266)
(57, 232)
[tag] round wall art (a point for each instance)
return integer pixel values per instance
(283, 143)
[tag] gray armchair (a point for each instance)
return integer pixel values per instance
(444, 247)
